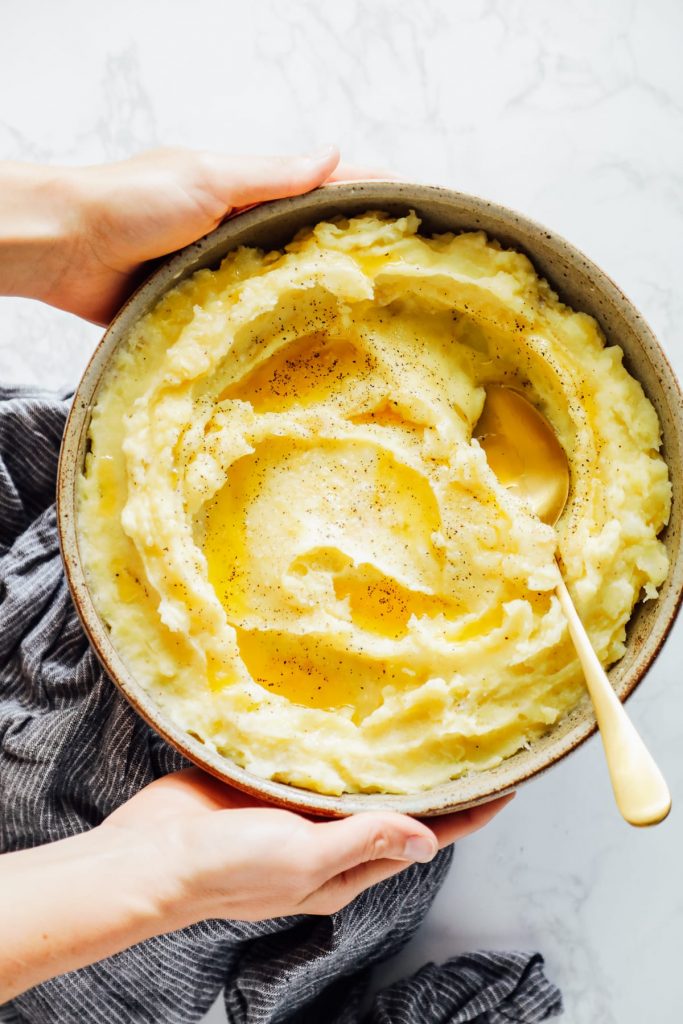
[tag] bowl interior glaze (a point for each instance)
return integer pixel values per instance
(579, 282)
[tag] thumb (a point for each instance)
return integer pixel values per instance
(241, 181)
(342, 845)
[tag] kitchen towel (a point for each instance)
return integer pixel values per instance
(72, 749)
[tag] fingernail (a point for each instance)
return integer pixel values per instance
(419, 849)
(321, 153)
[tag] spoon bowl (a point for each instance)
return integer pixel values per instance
(523, 451)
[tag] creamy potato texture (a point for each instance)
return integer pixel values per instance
(300, 550)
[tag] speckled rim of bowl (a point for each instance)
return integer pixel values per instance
(580, 283)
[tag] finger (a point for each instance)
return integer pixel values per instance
(344, 887)
(340, 890)
(240, 181)
(341, 845)
(359, 172)
(451, 827)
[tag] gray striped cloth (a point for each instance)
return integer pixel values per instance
(72, 749)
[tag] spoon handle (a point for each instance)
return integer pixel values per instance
(640, 790)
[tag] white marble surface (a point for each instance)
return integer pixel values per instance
(569, 112)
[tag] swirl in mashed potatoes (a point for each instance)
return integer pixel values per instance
(301, 552)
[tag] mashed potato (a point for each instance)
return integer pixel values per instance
(300, 550)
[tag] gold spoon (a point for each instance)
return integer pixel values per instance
(523, 451)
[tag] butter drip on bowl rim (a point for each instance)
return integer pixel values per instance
(301, 552)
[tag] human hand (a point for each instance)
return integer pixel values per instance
(229, 856)
(76, 237)
(185, 849)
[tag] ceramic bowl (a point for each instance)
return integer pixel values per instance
(580, 283)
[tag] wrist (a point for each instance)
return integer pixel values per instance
(178, 888)
(88, 896)
(146, 868)
(40, 216)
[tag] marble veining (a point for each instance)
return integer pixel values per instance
(571, 113)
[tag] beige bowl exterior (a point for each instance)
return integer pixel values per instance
(580, 283)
